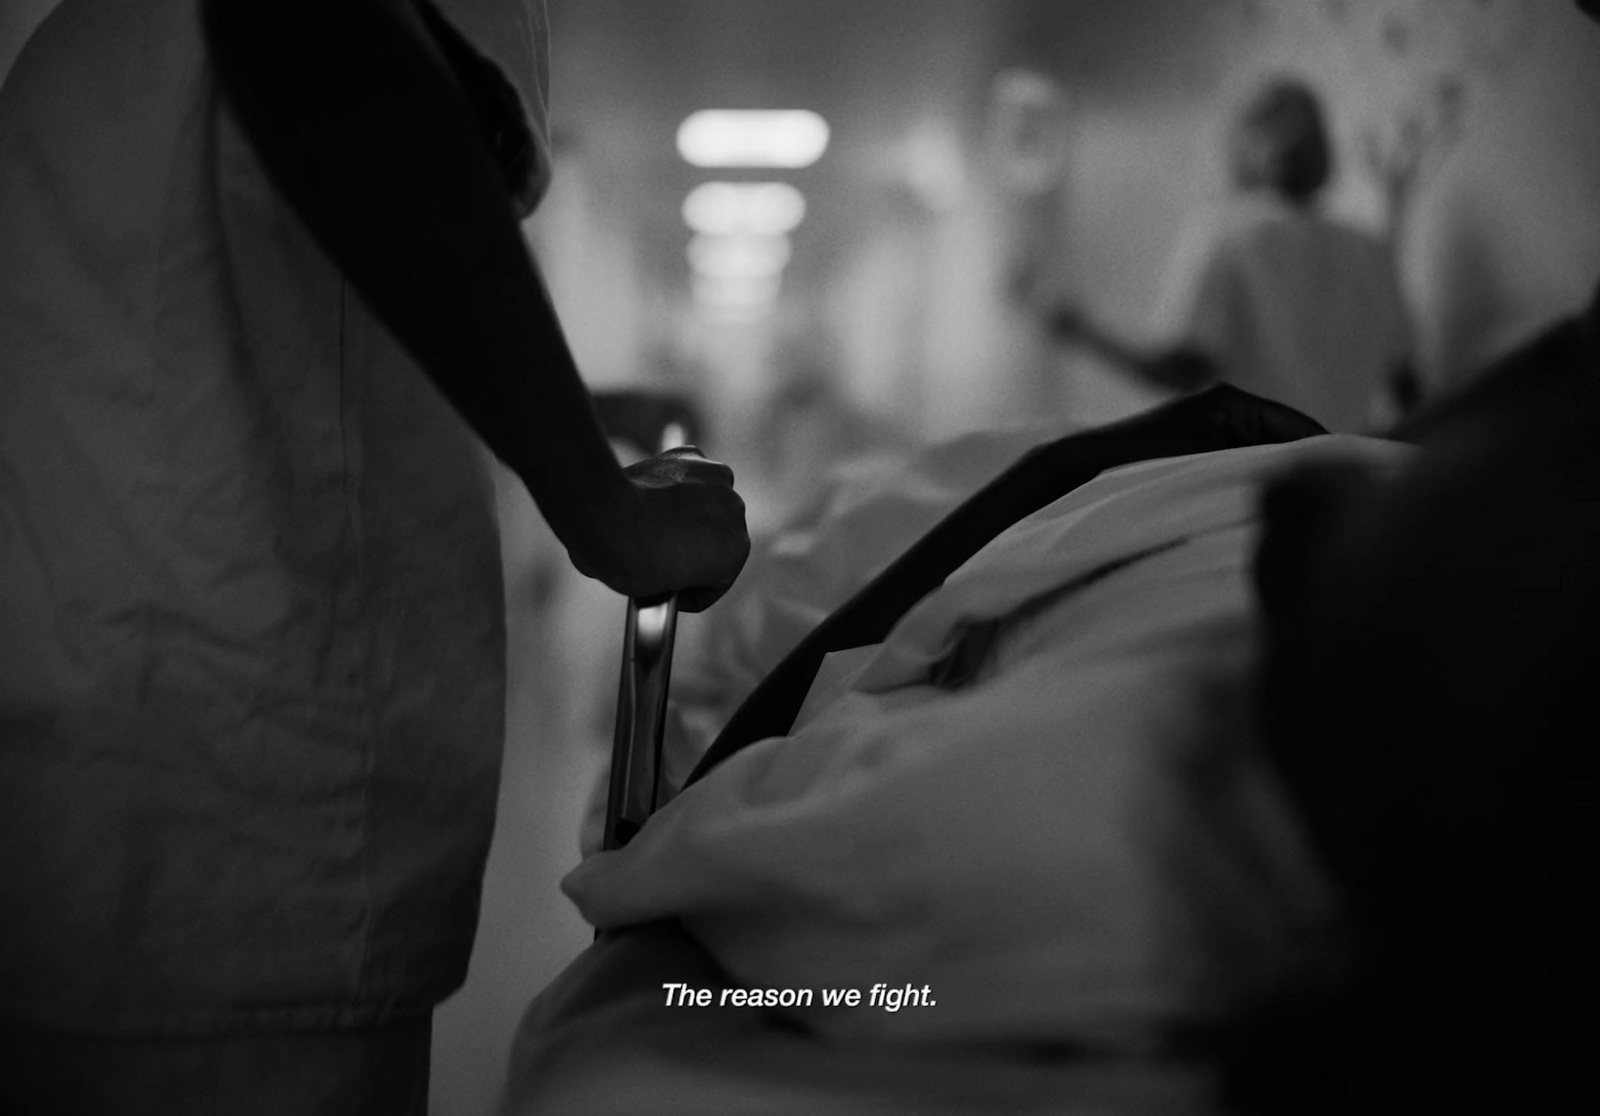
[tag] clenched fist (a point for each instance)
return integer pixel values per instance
(682, 531)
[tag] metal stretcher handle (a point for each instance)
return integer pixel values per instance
(641, 719)
(641, 706)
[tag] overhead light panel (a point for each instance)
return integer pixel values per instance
(736, 295)
(738, 257)
(789, 138)
(744, 208)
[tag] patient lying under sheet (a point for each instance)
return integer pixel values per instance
(1041, 799)
(1046, 806)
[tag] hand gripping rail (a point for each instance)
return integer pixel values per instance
(641, 706)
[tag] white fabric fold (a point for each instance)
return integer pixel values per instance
(1083, 844)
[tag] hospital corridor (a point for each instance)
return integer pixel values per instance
(1076, 521)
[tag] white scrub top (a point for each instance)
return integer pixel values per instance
(251, 627)
(1291, 306)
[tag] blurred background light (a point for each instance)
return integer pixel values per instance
(736, 293)
(738, 256)
(789, 138)
(750, 208)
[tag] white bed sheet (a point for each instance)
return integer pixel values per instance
(1079, 845)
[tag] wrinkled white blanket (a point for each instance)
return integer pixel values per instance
(1070, 836)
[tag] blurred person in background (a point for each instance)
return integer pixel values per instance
(1267, 293)
(265, 299)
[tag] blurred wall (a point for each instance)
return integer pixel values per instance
(1510, 232)
(587, 251)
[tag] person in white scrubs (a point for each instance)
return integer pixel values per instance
(1269, 294)
(263, 302)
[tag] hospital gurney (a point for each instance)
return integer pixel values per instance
(599, 1039)
(1221, 417)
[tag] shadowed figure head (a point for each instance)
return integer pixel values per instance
(1280, 143)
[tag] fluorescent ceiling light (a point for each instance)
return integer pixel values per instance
(752, 138)
(738, 257)
(735, 294)
(750, 208)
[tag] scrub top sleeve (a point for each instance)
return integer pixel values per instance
(1189, 306)
(500, 52)
(1198, 304)
(1214, 315)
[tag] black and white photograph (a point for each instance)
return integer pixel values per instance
(760, 558)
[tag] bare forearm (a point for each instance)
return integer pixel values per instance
(363, 128)
(1181, 368)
